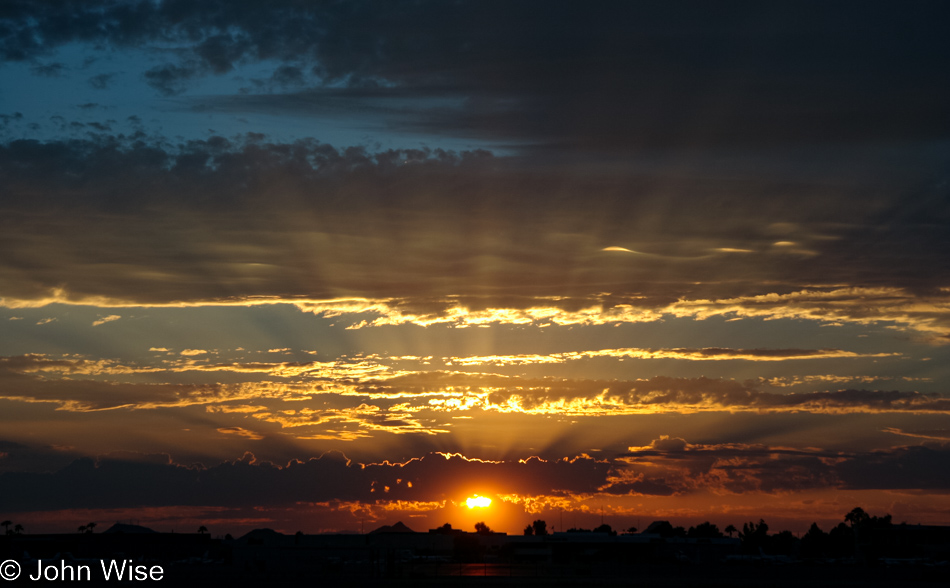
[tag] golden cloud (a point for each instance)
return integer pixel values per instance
(106, 319)
(926, 314)
(703, 354)
(241, 432)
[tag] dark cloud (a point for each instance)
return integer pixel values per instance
(738, 160)
(645, 487)
(288, 75)
(6, 118)
(920, 467)
(737, 468)
(424, 228)
(21, 376)
(285, 77)
(87, 395)
(102, 81)
(741, 468)
(171, 79)
(613, 77)
(221, 51)
(124, 481)
(50, 70)
(16, 457)
(130, 480)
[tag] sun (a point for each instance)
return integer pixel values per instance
(478, 501)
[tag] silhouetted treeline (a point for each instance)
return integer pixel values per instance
(859, 541)
(605, 528)
(538, 527)
(842, 541)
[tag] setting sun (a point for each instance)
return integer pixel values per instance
(478, 501)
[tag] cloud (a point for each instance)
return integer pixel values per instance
(33, 363)
(932, 434)
(674, 466)
(320, 200)
(50, 70)
(171, 79)
(664, 443)
(904, 468)
(103, 385)
(336, 423)
(18, 457)
(586, 67)
(372, 396)
(22, 379)
(789, 381)
(880, 305)
(241, 432)
(102, 81)
(428, 392)
(283, 78)
(705, 354)
(324, 201)
(106, 319)
(903, 309)
(129, 481)
(649, 396)
(668, 466)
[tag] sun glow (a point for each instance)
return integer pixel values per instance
(478, 501)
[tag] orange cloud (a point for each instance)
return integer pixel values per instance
(703, 354)
(189, 352)
(897, 307)
(106, 319)
(241, 432)
(371, 397)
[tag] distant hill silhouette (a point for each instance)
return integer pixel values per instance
(397, 528)
(260, 535)
(128, 529)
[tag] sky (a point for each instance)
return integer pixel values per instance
(325, 266)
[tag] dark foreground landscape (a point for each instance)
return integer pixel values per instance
(661, 556)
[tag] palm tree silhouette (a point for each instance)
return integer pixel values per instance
(6, 526)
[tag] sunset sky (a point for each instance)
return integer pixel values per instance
(325, 266)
